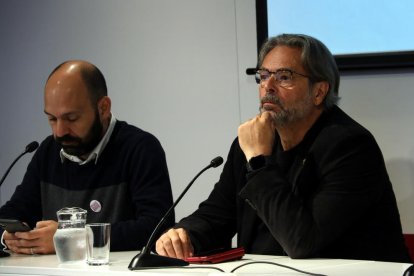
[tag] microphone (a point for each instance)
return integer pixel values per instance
(250, 71)
(146, 260)
(29, 148)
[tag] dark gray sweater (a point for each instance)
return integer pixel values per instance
(129, 185)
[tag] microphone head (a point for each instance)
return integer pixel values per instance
(250, 71)
(32, 146)
(216, 162)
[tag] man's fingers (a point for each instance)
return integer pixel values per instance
(30, 250)
(159, 247)
(165, 244)
(175, 246)
(266, 117)
(20, 243)
(26, 250)
(174, 243)
(26, 235)
(23, 247)
(186, 243)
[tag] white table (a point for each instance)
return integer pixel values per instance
(49, 265)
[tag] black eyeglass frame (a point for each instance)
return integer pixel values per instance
(259, 80)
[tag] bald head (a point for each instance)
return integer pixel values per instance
(90, 75)
(77, 106)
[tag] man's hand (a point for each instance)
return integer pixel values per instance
(36, 241)
(175, 243)
(257, 135)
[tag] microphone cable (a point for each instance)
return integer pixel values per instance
(256, 262)
(276, 264)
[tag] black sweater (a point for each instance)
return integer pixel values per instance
(130, 181)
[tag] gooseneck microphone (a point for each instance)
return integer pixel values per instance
(146, 260)
(29, 148)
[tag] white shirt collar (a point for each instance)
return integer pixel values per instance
(97, 150)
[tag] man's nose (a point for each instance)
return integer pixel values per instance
(270, 85)
(61, 128)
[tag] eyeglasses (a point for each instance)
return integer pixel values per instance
(283, 76)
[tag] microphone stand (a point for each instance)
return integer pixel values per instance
(29, 148)
(146, 260)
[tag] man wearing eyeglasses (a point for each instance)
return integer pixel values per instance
(303, 179)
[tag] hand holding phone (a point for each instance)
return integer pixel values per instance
(14, 225)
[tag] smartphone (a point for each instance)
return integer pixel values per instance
(13, 225)
(217, 256)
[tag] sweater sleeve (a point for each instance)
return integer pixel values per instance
(150, 192)
(214, 223)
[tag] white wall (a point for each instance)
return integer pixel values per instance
(383, 103)
(176, 69)
(173, 68)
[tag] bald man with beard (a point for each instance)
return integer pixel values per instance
(115, 171)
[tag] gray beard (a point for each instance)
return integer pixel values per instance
(285, 116)
(280, 118)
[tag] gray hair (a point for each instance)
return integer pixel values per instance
(316, 58)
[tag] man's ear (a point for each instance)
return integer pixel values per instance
(320, 90)
(104, 107)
